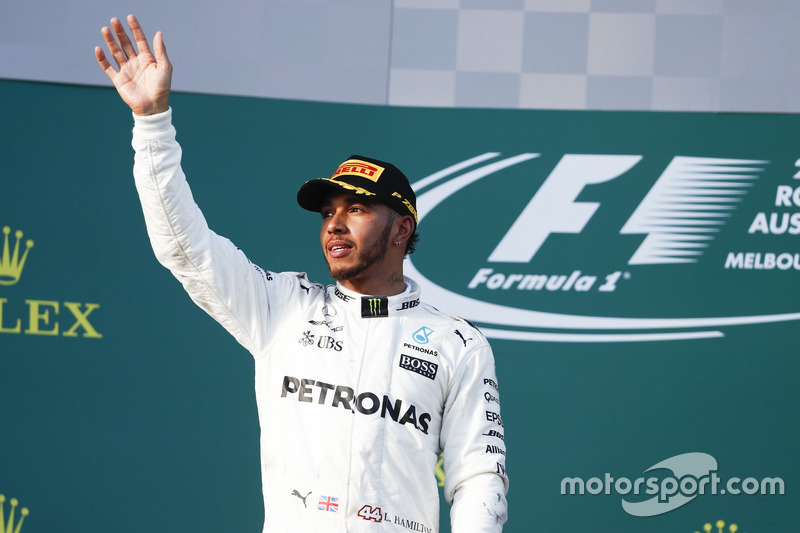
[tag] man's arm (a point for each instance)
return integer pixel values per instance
(473, 442)
(216, 274)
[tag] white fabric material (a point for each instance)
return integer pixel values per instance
(354, 408)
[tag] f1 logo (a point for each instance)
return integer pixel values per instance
(679, 216)
(553, 208)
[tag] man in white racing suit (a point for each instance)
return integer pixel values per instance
(360, 386)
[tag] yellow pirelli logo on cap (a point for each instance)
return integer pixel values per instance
(356, 167)
(407, 204)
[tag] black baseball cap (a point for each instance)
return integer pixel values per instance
(375, 179)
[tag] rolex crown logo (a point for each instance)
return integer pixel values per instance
(719, 527)
(11, 264)
(10, 527)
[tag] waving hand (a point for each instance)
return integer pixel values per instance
(142, 79)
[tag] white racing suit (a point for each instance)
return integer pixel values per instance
(357, 396)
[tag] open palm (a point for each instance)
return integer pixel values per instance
(142, 79)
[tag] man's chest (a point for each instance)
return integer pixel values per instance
(380, 366)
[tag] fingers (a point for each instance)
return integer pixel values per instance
(138, 35)
(111, 43)
(124, 41)
(123, 51)
(103, 62)
(161, 51)
(120, 45)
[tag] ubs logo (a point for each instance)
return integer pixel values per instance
(325, 342)
(329, 343)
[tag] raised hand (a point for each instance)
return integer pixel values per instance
(143, 80)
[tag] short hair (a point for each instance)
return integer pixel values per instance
(411, 245)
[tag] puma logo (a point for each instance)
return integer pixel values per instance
(462, 337)
(295, 493)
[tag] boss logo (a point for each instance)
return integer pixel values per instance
(419, 366)
(408, 305)
(342, 296)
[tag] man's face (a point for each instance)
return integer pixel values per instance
(355, 236)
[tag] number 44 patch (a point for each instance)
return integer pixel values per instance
(371, 513)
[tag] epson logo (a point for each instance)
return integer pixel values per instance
(419, 366)
(517, 283)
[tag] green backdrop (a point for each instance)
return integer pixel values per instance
(125, 408)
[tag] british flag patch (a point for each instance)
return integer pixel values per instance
(328, 503)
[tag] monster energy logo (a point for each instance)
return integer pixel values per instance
(371, 306)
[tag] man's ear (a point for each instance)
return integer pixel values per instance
(405, 228)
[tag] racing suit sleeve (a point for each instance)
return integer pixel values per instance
(216, 274)
(473, 444)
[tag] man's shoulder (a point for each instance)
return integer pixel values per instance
(458, 330)
(289, 282)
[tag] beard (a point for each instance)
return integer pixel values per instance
(371, 255)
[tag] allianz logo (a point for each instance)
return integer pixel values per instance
(677, 219)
